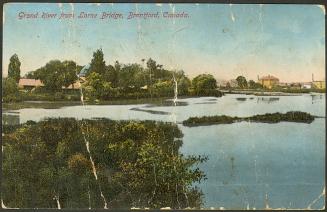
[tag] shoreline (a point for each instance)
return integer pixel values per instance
(62, 103)
(269, 93)
(155, 100)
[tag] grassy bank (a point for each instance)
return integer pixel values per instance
(292, 116)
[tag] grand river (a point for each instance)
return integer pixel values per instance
(251, 165)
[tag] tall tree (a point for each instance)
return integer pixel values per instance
(152, 66)
(98, 64)
(9, 87)
(14, 68)
(96, 87)
(111, 75)
(251, 84)
(127, 75)
(205, 85)
(56, 74)
(183, 85)
(241, 81)
(51, 76)
(68, 73)
(204, 82)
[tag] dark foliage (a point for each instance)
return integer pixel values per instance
(292, 116)
(138, 165)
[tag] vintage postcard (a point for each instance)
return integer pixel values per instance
(163, 106)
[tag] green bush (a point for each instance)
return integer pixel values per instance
(10, 91)
(138, 164)
(292, 116)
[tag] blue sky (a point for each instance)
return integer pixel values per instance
(287, 41)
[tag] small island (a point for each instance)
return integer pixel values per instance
(292, 116)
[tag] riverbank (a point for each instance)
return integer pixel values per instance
(292, 116)
(288, 92)
(159, 101)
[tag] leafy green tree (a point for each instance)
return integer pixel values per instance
(96, 87)
(9, 86)
(251, 84)
(14, 68)
(241, 82)
(56, 74)
(68, 73)
(204, 82)
(258, 85)
(9, 90)
(111, 75)
(30, 75)
(254, 85)
(98, 64)
(127, 75)
(50, 75)
(152, 67)
(163, 89)
(184, 84)
(140, 78)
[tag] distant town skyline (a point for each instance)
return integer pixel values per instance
(286, 41)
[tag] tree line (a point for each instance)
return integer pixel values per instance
(104, 81)
(243, 83)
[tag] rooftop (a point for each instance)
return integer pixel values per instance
(84, 70)
(29, 82)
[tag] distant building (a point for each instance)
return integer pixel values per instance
(29, 83)
(319, 84)
(84, 70)
(307, 85)
(268, 81)
(283, 84)
(295, 85)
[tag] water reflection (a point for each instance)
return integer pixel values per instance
(267, 99)
(211, 99)
(241, 99)
(315, 98)
(167, 103)
(151, 111)
(207, 101)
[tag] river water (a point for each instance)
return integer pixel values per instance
(251, 165)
